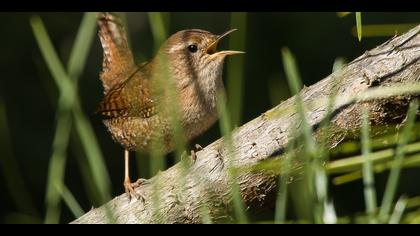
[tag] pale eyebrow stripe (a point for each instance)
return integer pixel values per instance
(176, 47)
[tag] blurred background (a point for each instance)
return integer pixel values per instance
(255, 82)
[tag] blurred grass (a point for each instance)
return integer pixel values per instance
(351, 163)
(230, 113)
(359, 25)
(68, 105)
(282, 193)
(69, 199)
(295, 84)
(82, 44)
(62, 132)
(205, 215)
(368, 175)
(370, 94)
(159, 24)
(382, 162)
(343, 14)
(383, 30)
(235, 73)
(399, 209)
(16, 186)
(313, 185)
(92, 155)
(394, 175)
(156, 161)
(226, 131)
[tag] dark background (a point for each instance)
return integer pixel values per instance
(27, 88)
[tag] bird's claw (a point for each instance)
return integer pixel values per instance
(198, 147)
(130, 189)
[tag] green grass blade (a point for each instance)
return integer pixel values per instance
(226, 130)
(383, 30)
(84, 168)
(143, 165)
(295, 85)
(391, 186)
(339, 63)
(84, 130)
(174, 109)
(69, 199)
(359, 25)
(62, 132)
(284, 173)
(235, 72)
(159, 23)
(9, 167)
(399, 209)
(157, 162)
(367, 95)
(78, 55)
(82, 45)
(343, 14)
(309, 206)
(51, 58)
(94, 154)
(324, 153)
(281, 202)
(66, 101)
(368, 176)
(205, 215)
(355, 163)
(156, 158)
(292, 74)
(57, 164)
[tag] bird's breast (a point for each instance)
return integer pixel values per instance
(199, 107)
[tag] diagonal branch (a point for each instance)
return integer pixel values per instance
(394, 63)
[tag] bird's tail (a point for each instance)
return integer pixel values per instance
(118, 61)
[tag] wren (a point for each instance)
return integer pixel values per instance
(135, 106)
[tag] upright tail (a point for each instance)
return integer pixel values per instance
(118, 62)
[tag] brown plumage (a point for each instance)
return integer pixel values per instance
(137, 105)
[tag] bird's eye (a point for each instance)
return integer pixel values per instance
(192, 48)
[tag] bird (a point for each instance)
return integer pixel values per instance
(137, 106)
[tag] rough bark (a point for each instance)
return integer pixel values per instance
(395, 62)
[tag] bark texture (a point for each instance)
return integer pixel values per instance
(207, 182)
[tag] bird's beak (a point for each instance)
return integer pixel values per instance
(212, 49)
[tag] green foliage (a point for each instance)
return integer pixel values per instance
(235, 73)
(68, 105)
(226, 131)
(394, 175)
(368, 175)
(22, 198)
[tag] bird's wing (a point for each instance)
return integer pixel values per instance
(132, 98)
(118, 61)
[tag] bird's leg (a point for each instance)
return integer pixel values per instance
(193, 155)
(128, 185)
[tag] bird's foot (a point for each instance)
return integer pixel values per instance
(130, 188)
(193, 152)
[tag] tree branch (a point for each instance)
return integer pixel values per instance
(395, 62)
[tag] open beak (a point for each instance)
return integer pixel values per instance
(212, 49)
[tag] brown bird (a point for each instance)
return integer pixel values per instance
(137, 104)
